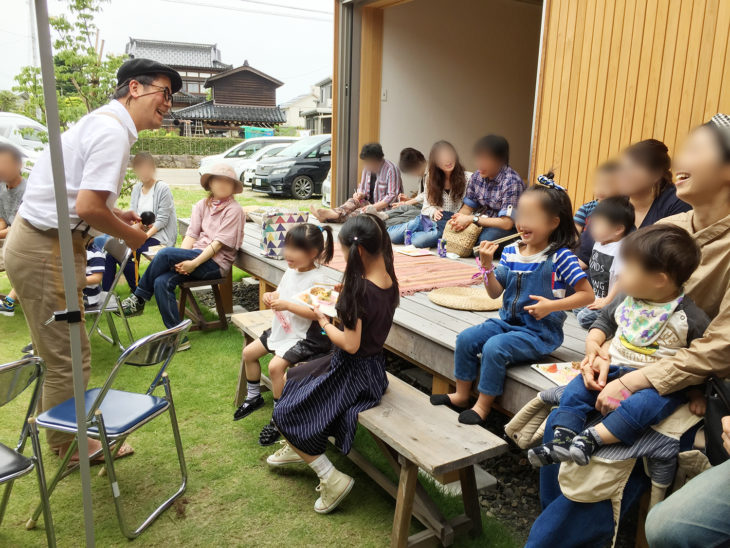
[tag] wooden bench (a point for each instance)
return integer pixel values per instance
(412, 434)
(193, 311)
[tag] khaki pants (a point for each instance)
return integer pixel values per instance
(33, 263)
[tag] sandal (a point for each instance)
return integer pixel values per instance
(125, 450)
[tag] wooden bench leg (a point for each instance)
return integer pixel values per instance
(404, 503)
(264, 287)
(470, 496)
(241, 387)
(219, 307)
(440, 385)
(226, 290)
(183, 301)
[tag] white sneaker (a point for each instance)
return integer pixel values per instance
(284, 455)
(332, 491)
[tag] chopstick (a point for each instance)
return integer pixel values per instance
(507, 238)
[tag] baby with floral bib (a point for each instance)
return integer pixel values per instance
(650, 320)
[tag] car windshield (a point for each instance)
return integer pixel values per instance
(295, 150)
(245, 150)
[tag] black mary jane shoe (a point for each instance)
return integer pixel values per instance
(444, 399)
(471, 417)
(248, 407)
(269, 435)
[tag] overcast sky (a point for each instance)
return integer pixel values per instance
(296, 49)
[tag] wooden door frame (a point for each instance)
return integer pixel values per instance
(539, 80)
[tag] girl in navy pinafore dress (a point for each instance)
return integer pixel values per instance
(532, 277)
(323, 398)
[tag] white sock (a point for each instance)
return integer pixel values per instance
(254, 389)
(322, 467)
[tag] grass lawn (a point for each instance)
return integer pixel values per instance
(233, 498)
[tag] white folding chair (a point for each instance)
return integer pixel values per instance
(110, 305)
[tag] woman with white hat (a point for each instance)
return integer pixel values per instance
(207, 252)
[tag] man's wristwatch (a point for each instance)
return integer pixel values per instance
(475, 219)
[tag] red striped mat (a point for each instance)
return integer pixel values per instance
(423, 273)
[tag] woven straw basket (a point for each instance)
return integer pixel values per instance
(461, 243)
(465, 298)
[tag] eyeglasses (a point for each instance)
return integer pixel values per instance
(167, 94)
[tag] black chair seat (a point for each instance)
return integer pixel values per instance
(12, 464)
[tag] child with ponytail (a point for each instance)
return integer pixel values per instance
(295, 335)
(324, 397)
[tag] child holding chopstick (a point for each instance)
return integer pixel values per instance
(294, 336)
(533, 275)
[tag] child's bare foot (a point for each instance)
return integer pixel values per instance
(318, 213)
(452, 400)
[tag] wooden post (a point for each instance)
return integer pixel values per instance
(404, 503)
(470, 496)
(226, 289)
(440, 385)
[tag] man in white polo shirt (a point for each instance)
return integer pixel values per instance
(95, 155)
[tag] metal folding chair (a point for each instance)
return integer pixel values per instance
(112, 415)
(110, 304)
(15, 377)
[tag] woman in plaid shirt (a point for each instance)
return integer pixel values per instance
(379, 186)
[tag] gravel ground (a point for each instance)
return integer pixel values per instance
(515, 500)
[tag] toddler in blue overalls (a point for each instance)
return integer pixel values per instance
(532, 276)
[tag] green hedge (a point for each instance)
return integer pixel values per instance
(202, 146)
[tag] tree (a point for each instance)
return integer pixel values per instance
(8, 101)
(84, 78)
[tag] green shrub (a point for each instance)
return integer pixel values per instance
(202, 146)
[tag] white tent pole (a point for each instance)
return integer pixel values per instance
(73, 316)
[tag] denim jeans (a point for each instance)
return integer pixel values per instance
(698, 515)
(426, 233)
(130, 271)
(628, 421)
(500, 345)
(586, 316)
(491, 233)
(160, 280)
(555, 526)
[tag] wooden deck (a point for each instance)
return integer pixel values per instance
(425, 333)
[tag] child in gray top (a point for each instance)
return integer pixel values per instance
(12, 188)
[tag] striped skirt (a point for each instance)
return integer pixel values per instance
(323, 398)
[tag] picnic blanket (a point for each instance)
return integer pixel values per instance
(423, 273)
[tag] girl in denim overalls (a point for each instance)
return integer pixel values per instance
(532, 276)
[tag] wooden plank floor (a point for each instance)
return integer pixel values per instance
(423, 332)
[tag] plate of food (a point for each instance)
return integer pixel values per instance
(322, 296)
(560, 373)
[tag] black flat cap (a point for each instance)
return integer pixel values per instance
(137, 67)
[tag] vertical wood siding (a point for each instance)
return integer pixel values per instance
(617, 71)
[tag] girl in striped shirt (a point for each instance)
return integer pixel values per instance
(533, 276)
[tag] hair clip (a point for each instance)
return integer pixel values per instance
(549, 183)
(721, 120)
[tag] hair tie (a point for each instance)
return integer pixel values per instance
(721, 120)
(483, 272)
(354, 238)
(549, 183)
(321, 228)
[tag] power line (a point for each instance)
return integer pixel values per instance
(268, 4)
(247, 10)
